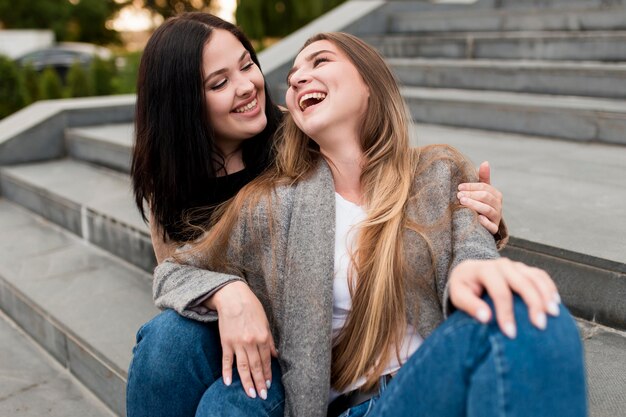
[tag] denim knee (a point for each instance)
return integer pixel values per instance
(174, 361)
(220, 400)
(170, 327)
(170, 341)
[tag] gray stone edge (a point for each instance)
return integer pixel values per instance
(82, 360)
(591, 125)
(591, 292)
(134, 245)
(565, 254)
(37, 131)
(98, 151)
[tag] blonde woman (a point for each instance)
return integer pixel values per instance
(385, 296)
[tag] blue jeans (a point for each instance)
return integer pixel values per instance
(468, 369)
(176, 372)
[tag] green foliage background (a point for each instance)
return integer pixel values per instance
(86, 21)
(261, 19)
(83, 21)
(13, 95)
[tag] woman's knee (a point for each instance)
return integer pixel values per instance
(171, 342)
(169, 329)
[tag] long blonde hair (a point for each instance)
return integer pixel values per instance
(378, 319)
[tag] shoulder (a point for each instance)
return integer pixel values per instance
(441, 163)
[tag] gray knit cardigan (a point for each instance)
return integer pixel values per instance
(295, 285)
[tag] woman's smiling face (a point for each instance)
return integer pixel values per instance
(234, 90)
(325, 91)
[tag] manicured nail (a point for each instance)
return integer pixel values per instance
(263, 394)
(557, 298)
(553, 308)
(252, 392)
(482, 315)
(268, 383)
(227, 381)
(541, 321)
(510, 331)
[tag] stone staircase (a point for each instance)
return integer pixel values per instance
(499, 79)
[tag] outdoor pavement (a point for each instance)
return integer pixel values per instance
(33, 384)
(559, 193)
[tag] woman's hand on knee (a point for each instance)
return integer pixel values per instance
(246, 338)
(483, 198)
(500, 278)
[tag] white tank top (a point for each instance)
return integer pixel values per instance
(347, 216)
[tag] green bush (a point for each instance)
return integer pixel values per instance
(126, 80)
(31, 82)
(102, 73)
(13, 95)
(77, 81)
(50, 86)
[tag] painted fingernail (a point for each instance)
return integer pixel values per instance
(557, 298)
(553, 308)
(482, 315)
(263, 394)
(510, 331)
(268, 383)
(227, 381)
(541, 321)
(252, 392)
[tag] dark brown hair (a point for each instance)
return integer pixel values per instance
(175, 160)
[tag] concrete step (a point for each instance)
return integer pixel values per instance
(81, 304)
(32, 384)
(106, 145)
(535, 19)
(94, 203)
(555, 4)
(605, 356)
(564, 206)
(593, 79)
(565, 117)
(564, 46)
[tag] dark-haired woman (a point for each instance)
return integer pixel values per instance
(204, 128)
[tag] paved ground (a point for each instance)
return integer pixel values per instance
(33, 384)
(605, 348)
(559, 193)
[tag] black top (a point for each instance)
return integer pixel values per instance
(218, 190)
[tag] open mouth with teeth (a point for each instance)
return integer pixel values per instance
(247, 107)
(311, 99)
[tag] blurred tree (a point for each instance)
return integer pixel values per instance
(31, 82)
(36, 14)
(88, 21)
(76, 20)
(13, 95)
(169, 8)
(277, 18)
(77, 81)
(50, 86)
(102, 74)
(125, 81)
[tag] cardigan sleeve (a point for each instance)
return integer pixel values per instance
(184, 284)
(183, 287)
(468, 238)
